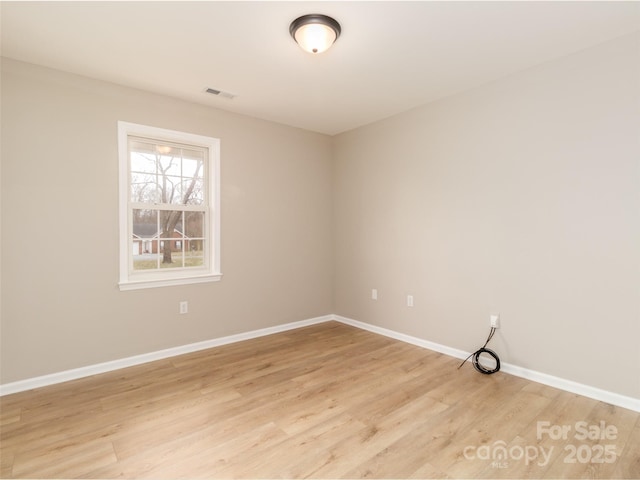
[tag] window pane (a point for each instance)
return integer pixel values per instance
(145, 244)
(145, 223)
(180, 189)
(177, 259)
(147, 261)
(194, 237)
(166, 173)
(191, 167)
(194, 225)
(159, 241)
(171, 189)
(143, 163)
(144, 188)
(169, 165)
(194, 255)
(171, 238)
(194, 191)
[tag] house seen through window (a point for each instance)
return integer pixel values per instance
(169, 207)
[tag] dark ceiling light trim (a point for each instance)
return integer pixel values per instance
(315, 33)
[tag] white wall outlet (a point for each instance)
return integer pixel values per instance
(494, 320)
(374, 294)
(184, 307)
(409, 300)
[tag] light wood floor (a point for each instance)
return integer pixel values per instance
(326, 401)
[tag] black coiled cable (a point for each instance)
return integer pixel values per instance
(476, 356)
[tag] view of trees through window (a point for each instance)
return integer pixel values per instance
(168, 200)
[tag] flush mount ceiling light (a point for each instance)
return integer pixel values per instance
(315, 33)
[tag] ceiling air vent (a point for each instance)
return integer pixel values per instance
(220, 93)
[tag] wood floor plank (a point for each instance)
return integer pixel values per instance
(497, 427)
(71, 459)
(339, 459)
(280, 460)
(323, 401)
(588, 461)
(565, 408)
(630, 467)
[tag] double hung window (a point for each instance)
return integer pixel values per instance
(169, 207)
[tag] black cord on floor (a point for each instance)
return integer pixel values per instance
(476, 356)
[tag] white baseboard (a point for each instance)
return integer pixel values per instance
(560, 383)
(76, 373)
(436, 347)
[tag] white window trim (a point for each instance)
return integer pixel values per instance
(166, 278)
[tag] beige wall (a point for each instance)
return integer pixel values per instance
(61, 307)
(521, 197)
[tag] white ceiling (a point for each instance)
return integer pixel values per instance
(392, 56)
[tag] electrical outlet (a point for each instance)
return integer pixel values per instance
(409, 300)
(374, 294)
(494, 320)
(184, 307)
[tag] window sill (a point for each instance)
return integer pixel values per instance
(168, 282)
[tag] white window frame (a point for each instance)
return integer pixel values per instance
(210, 272)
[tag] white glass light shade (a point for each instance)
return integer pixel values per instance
(315, 33)
(315, 38)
